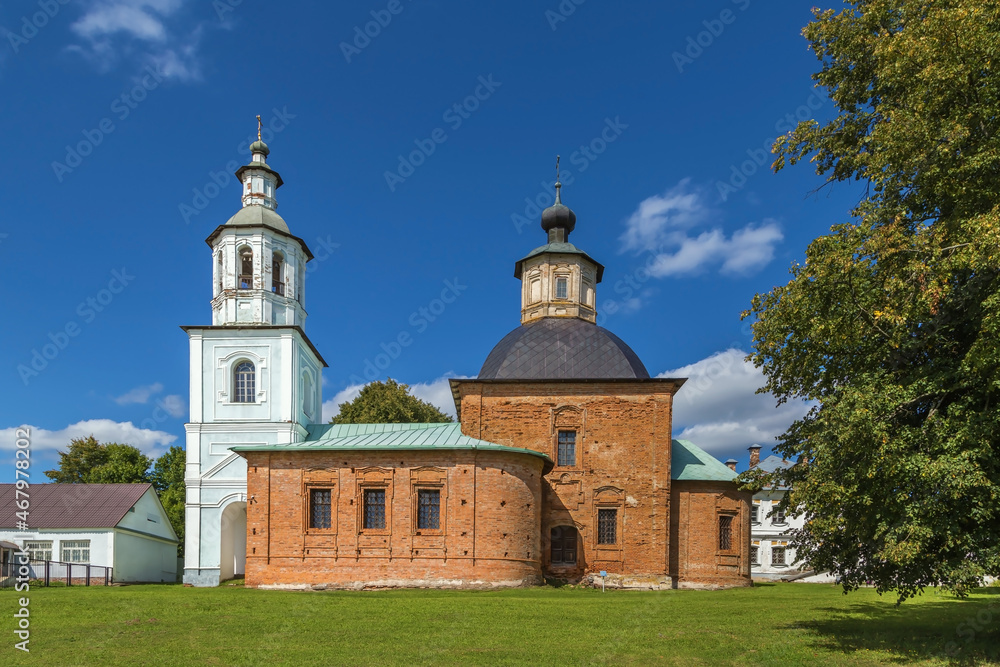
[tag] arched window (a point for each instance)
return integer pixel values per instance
(243, 383)
(563, 545)
(277, 280)
(246, 268)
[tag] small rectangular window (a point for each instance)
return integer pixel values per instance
(777, 516)
(754, 513)
(428, 509)
(320, 508)
(607, 526)
(76, 551)
(567, 448)
(755, 555)
(374, 509)
(777, 555)
(562, 288)
(725, 533)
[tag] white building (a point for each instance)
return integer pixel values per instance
(255, 376)
(122, 526)
(771, 556)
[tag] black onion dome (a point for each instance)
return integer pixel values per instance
(558, 215)
(556, 348)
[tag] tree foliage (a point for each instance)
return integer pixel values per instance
(388, 403)
(168, 480)
(88, 461)
(891, 325)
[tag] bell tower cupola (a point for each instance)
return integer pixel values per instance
(558, 279)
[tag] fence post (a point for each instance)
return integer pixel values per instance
(69, 574)
(47, 573)
(88, 574)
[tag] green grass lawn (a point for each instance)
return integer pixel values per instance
(770, 624)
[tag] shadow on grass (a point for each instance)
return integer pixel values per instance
(960, 633)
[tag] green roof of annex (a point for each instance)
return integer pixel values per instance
(689, 462)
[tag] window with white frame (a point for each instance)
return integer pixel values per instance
(39, 549)
(75, 551)
(243, 383)
(778, 556)
(755, 555)
(755, 514)
(562, 287)
(777, 515)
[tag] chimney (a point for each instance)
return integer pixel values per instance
(731, 464)
(754, 455)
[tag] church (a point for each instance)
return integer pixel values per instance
(561, 465)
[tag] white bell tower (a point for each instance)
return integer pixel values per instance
(255, 375)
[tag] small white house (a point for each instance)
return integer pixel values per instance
(122, 526)
(771, 556)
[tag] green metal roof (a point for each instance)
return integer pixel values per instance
(375, 437)
(689, 462)
(564, 248)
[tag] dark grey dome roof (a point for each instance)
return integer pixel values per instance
(562, 348)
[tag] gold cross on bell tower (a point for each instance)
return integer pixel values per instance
(258, 127)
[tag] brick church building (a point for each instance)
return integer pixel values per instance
(562, 463)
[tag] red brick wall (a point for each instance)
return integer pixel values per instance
(695, 556)
(490, 517)
(623, 461)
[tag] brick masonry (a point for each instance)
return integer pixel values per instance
(498, 509)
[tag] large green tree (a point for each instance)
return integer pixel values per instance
(891, 326)
(386, 403)
(88, 461)
(168, 480)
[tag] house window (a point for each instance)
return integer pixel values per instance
(725, 533)
(563, 545)
(777, 555)
(428, 509)
(243, 383)
(319, 508)
(277, 284)
(374, 509)
(755, 555)
(39, 550)
(566, 454)
(607, 526)
(562, 287)
(246, 268)
(755, 514)
(76, 551)
(778, 516)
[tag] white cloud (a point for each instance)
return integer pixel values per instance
(436, 392)
(151, 443)
(139, 394)
(718, 409)
(660, 226)
(138, 31)
(174, 404)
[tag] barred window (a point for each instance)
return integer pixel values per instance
(563, 545)
(76, 551)
(429, 509)
(320, 509)
(778, 516)
(566, 453)
(562, 288)
(755, 555)
(755, 513)
(39, 550)
(607, 526)
(243, 383)
(374, 509)
(725, 533)
(777, 555)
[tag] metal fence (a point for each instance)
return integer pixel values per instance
(46, 572)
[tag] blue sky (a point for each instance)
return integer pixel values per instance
(413, 156)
